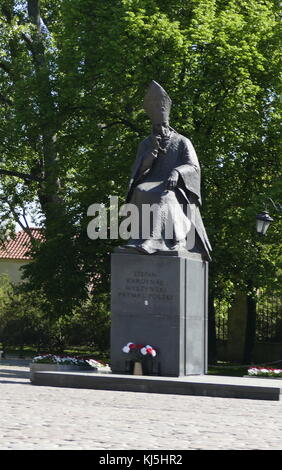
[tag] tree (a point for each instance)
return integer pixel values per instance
(29, 150)
(220, 62)
(73, 78)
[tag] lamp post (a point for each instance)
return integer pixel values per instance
(263, 220)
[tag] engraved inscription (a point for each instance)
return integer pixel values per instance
(145, 286)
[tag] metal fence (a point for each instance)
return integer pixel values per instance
(269, 318)
(268, 322)
(221, 319)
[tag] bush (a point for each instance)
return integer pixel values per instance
(22, 320)
(89, 325)
(25, 321)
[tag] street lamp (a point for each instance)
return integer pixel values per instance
(263, 220)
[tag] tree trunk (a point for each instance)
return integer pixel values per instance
(212, 349)
(49, 196)
(250, 336)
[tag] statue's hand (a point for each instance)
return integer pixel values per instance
(172, 180)
(156, 142)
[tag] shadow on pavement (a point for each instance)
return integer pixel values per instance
(14, 373)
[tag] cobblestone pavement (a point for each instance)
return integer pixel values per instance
(47, 418)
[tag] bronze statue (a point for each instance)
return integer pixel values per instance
(167, 175)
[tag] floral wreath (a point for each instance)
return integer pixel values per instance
(139, 350)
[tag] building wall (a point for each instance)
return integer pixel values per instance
(12, 268)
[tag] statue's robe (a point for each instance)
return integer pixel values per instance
(148, 186)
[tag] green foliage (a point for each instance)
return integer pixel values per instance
(25, 320)
(71, 119)
(5, 291)
(22, 320)
(90, 324)
(220, 62)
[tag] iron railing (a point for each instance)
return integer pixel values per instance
(268, 318)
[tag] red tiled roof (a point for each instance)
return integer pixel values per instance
(17, 248)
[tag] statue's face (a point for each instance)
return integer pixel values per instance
(161, 128)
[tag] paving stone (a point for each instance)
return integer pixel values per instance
(47, 418)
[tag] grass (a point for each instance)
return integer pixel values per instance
(227, 369)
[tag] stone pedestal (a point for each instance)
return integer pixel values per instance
(160, 300)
